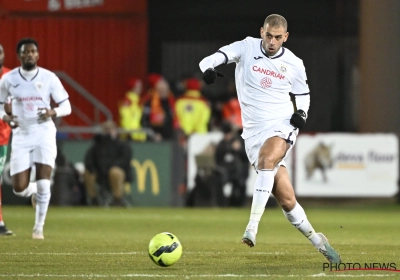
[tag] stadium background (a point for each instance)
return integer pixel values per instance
(349, 48)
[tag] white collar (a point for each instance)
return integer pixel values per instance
(279, 52)
(28, 75)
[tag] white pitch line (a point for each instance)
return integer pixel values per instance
(71, 254)
(127, 253)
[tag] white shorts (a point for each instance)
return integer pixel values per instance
(281, 128)
(32, 146)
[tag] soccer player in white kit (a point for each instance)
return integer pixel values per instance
(272, 89)
(34, 134)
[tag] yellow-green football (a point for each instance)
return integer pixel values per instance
(165, 249)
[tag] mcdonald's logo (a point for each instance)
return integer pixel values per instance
(141, 172)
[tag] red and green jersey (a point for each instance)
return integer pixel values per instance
(5, 129)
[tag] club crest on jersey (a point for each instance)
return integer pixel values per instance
(266, 82)
(30, 107)
(283, 68)
(39, 85)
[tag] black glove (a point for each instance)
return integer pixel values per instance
(210, 75)
(298, 119)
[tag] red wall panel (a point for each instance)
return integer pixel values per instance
(99, 52)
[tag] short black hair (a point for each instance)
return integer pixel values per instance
(24, 41)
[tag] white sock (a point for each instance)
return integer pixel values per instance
(298, 218)
(30, 189)
(262, 191)
(42, 202)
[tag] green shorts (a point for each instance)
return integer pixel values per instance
(3, 157)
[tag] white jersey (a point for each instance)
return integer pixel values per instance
(29, 95)
(264, 83)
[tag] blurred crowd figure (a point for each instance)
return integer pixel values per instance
(193, 110)
(231, 159)
(159, 109)
(108, 169)
(222, 172)
(230, 109)
(151, 111)
(131, 110)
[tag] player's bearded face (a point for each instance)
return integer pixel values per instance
(28, 56)
(273, 38)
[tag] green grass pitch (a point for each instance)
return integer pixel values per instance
(111, 243)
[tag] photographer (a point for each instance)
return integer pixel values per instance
(230, 156)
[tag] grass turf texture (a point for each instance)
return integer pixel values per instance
(99, 243)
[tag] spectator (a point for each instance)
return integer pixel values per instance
(130, 110)
(231, 158)
(70, 188)
(231, 108)
(216, 112)
(192, 110)
(152, 80)
(178, 86)
(159, 112)
(107, 164)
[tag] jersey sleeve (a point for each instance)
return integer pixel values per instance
(226, 54)
(300, 85)
(58, 93)
(234, 52)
